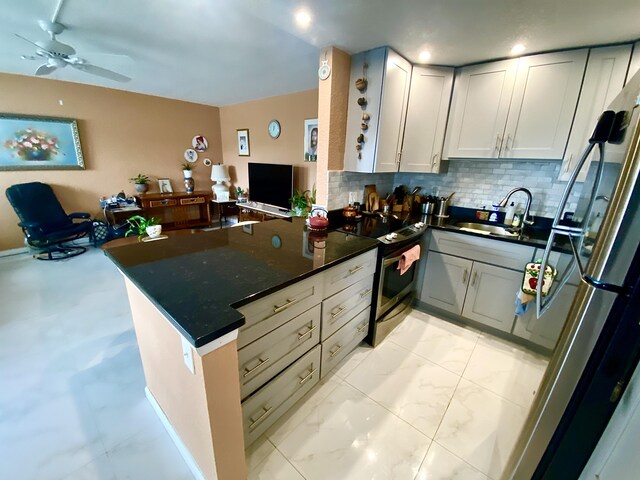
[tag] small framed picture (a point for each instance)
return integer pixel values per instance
(243, 142)
(165, 185)
(311, 140)
(248, 229)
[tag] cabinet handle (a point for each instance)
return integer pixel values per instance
(255, 423)
(464, 276)
(303, 380)
(287, 304)
(308, 332)
(337, 313)
(249, 371)
(498, 142)
(365, 293)
(356, 269)
(506, 144)
(363, 327)
(434, 159)
(335, 352)
(398, 157)
(567, 167)
(475, 277)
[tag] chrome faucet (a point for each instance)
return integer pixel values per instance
(525, 216)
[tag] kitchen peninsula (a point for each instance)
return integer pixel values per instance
(200, 301)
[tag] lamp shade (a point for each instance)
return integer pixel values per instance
(219, 173)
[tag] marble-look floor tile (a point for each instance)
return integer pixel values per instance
(441, 464)
(350, 436)
(98, 469)
(413, 388)
(352, 360)
(481, 427)
(149, 454)
(440, 342)
(506, 369)
(265, 462)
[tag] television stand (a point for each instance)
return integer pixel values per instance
(261, 211)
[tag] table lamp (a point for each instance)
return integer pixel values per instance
(220, 175)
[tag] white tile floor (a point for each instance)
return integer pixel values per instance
(434, 401)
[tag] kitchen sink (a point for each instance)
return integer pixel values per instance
(485, 229)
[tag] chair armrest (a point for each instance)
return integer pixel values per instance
(79, 215)
(29, 225)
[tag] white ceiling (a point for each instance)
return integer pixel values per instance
(219, 52)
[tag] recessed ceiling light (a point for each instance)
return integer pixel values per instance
(424, 56)
(518, 48)
(303, 18)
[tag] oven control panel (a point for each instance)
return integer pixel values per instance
(405, 233)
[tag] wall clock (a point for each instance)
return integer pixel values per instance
(274, 129)
(324, 71)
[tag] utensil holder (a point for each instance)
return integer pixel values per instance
(441, 208)
(427, 208)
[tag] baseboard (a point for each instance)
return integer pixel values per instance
(184, 451)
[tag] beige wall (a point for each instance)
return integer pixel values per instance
(291, 111)
(122, 134)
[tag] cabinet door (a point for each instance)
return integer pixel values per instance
(426, 119)
(393, 109)
(603, 80)
(481, 99)
(634, 66)
(491, 296)
(543, 105)
(445, 282)
(546, 330)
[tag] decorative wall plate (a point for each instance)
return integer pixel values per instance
(207, 162)
(190, 155)
(199, 143)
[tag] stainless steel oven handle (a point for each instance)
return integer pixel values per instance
(391, 261)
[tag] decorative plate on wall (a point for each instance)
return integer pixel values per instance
(199, 143)
(207, 162)
(190, 155)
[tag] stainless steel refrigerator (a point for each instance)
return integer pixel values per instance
(599, 347)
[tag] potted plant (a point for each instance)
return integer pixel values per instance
(241, 196)
(139, 225)
(141, 183)
(300, 203)
(187, 169)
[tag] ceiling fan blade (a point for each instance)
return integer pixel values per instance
(29, 57)
(101, 72)
(45, 69)
(27, 40)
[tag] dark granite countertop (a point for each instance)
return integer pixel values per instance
(197, 279)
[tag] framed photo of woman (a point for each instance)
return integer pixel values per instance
(311, 140)
(243, 142)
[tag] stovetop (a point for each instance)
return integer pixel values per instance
(388, 229)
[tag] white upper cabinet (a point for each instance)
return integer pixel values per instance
(480, 105)
(521, 108)
(426, 119)
(603, 80)
(634, 66)
(388, 78)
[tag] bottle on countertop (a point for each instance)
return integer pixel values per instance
(511, 210)
(515, 223)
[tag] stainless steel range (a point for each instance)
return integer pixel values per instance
(394, 291)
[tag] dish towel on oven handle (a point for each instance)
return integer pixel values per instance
(407, 259)
(527, 294)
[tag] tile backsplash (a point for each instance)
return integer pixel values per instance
(477, 183)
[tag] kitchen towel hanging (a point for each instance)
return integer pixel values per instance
(407, 259)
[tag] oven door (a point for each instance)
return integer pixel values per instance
(393, 286)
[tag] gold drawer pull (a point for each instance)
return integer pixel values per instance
(334, 353)
(308, 332)
(303, 380)
(356, 269)
(337, 313)
(255, 423)
(365, 293)
(287, 304)
(363, 327)
(249, 371)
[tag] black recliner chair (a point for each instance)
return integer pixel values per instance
(45, 224)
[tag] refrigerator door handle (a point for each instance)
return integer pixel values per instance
(542, 307)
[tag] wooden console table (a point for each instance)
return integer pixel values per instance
(259, 212)
(177, 210)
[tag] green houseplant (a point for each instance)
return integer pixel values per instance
(301, 203)
(138, 226)
(141, 183)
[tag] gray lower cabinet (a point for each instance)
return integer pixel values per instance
(263, 408)
(445, 284)
(336, 347)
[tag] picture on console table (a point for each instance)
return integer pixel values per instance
(243, 142)
(39, 143)
(165, 185)
(311, 140)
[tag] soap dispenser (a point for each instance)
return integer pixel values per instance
(511, 210)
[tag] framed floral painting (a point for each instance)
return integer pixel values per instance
(39, 143)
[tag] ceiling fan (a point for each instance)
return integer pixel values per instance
(58, 55)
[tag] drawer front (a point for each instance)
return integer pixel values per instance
(268, 313)
(349, 272)
(344, 341)
(167, 202)
(192, 201)
(263, 408)
(339, 309)
(493, 252)
(269, 355)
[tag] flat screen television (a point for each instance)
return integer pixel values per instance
(271, 184)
